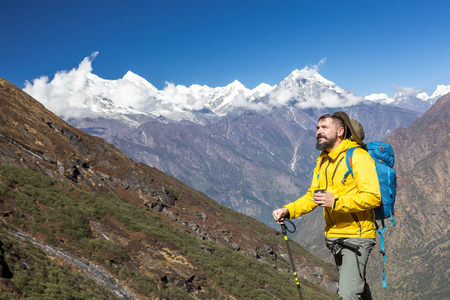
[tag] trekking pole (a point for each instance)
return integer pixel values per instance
(284, 230)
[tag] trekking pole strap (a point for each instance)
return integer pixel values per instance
(284, 228)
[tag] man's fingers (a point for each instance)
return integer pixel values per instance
(319, 202)
(278, 215)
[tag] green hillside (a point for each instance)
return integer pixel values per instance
(60, 215)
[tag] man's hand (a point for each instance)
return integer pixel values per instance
(280, 215)
(324, 199)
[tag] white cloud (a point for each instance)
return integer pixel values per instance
(379, 97)
(320, 64)
(408, 91)
(424, 96)
(180, 98)
(440, 91)
(64, 95)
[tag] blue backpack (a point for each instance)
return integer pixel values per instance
(383, 155)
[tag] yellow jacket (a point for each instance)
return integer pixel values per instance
(351, 215)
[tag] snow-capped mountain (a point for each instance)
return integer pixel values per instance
(80, 93)
(410, 98)
(307, 88)
(417, 102)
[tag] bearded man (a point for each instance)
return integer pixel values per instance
(347, 201)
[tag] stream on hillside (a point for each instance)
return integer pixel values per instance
(95, 272)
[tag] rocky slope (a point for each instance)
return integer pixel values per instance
(128, 230)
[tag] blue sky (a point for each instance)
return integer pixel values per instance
(369, 46)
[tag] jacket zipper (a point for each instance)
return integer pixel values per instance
(326, 186)
(326, 171)
(335, 169)
(332, 182)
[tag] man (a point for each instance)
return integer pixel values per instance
(347, 202)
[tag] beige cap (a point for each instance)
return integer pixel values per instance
(359, 130)
(355, 134)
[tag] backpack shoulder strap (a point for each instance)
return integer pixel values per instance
(349, 162)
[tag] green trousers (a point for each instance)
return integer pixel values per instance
(352, 267)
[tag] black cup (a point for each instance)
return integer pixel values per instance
(319, 191)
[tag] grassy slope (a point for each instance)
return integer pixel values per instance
(60, 214)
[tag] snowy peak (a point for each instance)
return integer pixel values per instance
(236, 84)
(306, 75)
(307, 81)
(131, 77)
(263, 89)
(307, 88)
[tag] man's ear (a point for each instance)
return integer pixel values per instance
(341, 132)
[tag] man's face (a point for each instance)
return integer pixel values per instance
(326, 134)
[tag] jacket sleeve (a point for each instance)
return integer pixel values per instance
(366, 194)
(304, 204)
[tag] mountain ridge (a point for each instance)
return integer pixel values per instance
(303, 88)
(251, 162)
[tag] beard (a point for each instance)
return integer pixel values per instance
(329, 142)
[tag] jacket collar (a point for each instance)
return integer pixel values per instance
(342, 147)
